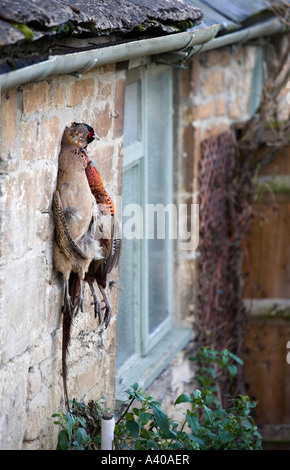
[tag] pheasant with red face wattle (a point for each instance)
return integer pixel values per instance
(109, 237)
(75, 214)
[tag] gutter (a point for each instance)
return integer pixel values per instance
(193, 41)
(79, 62)
(267, 28)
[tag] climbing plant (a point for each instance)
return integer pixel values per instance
(229, 166)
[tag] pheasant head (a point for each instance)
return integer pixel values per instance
(91, 133)
(78, 135)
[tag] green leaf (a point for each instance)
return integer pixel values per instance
(81, 436)
(211, 371)
(224, 358)
(232, 370)
(197, 394)
(183, 398)
(236, 358)
(144, 417)
(208, 413)
(145, 434)
(129, 417)
(193, 422)
(70, 419)
(133, 428)
(63, 440)
(81, 421)
(160, 417)
(78, 446)
(150, 444)
(225, 436)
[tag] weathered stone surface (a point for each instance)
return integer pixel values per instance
(80, 91)
(8, 123)
(46, 13)
(13, 391)
(31, 292)
(95, 18)
(30, 289)
(9, 34)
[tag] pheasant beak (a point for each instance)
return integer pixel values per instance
(96, 136)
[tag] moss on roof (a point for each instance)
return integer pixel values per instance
(91, 18)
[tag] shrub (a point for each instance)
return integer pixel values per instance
(144, 425)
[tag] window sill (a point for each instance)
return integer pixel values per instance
(144, 370)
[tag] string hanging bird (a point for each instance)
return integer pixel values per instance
(109, 237)
(75, 213)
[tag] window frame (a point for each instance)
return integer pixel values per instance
(152, 352)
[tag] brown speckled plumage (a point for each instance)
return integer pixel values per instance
(76, 244)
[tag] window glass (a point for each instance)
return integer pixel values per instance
(144, 314)
(132, 118)
(159, 189)
(129, 301)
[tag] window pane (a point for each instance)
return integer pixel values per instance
(129, 299)
(159, 182)
(132, 118)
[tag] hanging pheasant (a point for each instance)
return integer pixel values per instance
(109, 237)
(75, 214)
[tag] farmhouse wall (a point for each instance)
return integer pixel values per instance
(213, 92)
(33, 118)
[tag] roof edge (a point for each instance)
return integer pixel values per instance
(197, 41)
(79, 62)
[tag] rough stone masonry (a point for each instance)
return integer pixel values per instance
(33, 117)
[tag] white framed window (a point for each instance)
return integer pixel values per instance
(147, 337)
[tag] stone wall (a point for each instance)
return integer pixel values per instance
(209, 95)
(213, 92)
(33, 118)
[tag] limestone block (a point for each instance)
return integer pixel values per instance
(58, 92)
(103, 87)
(104, 158)
(46, 181)
(13, 392)
(18, 210)
(28, 135)
(23, 292)
(8, 123)
(36, 97)
(38, 411)
(80, 91)
(214, 82)
(34, 382)
(220, 106)
(99, 118)
(49, 136)
(204, 111)
(219, 57)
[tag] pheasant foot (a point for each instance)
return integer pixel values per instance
(96, 302)
(107, 307)
(79, 302)
(68, 306)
